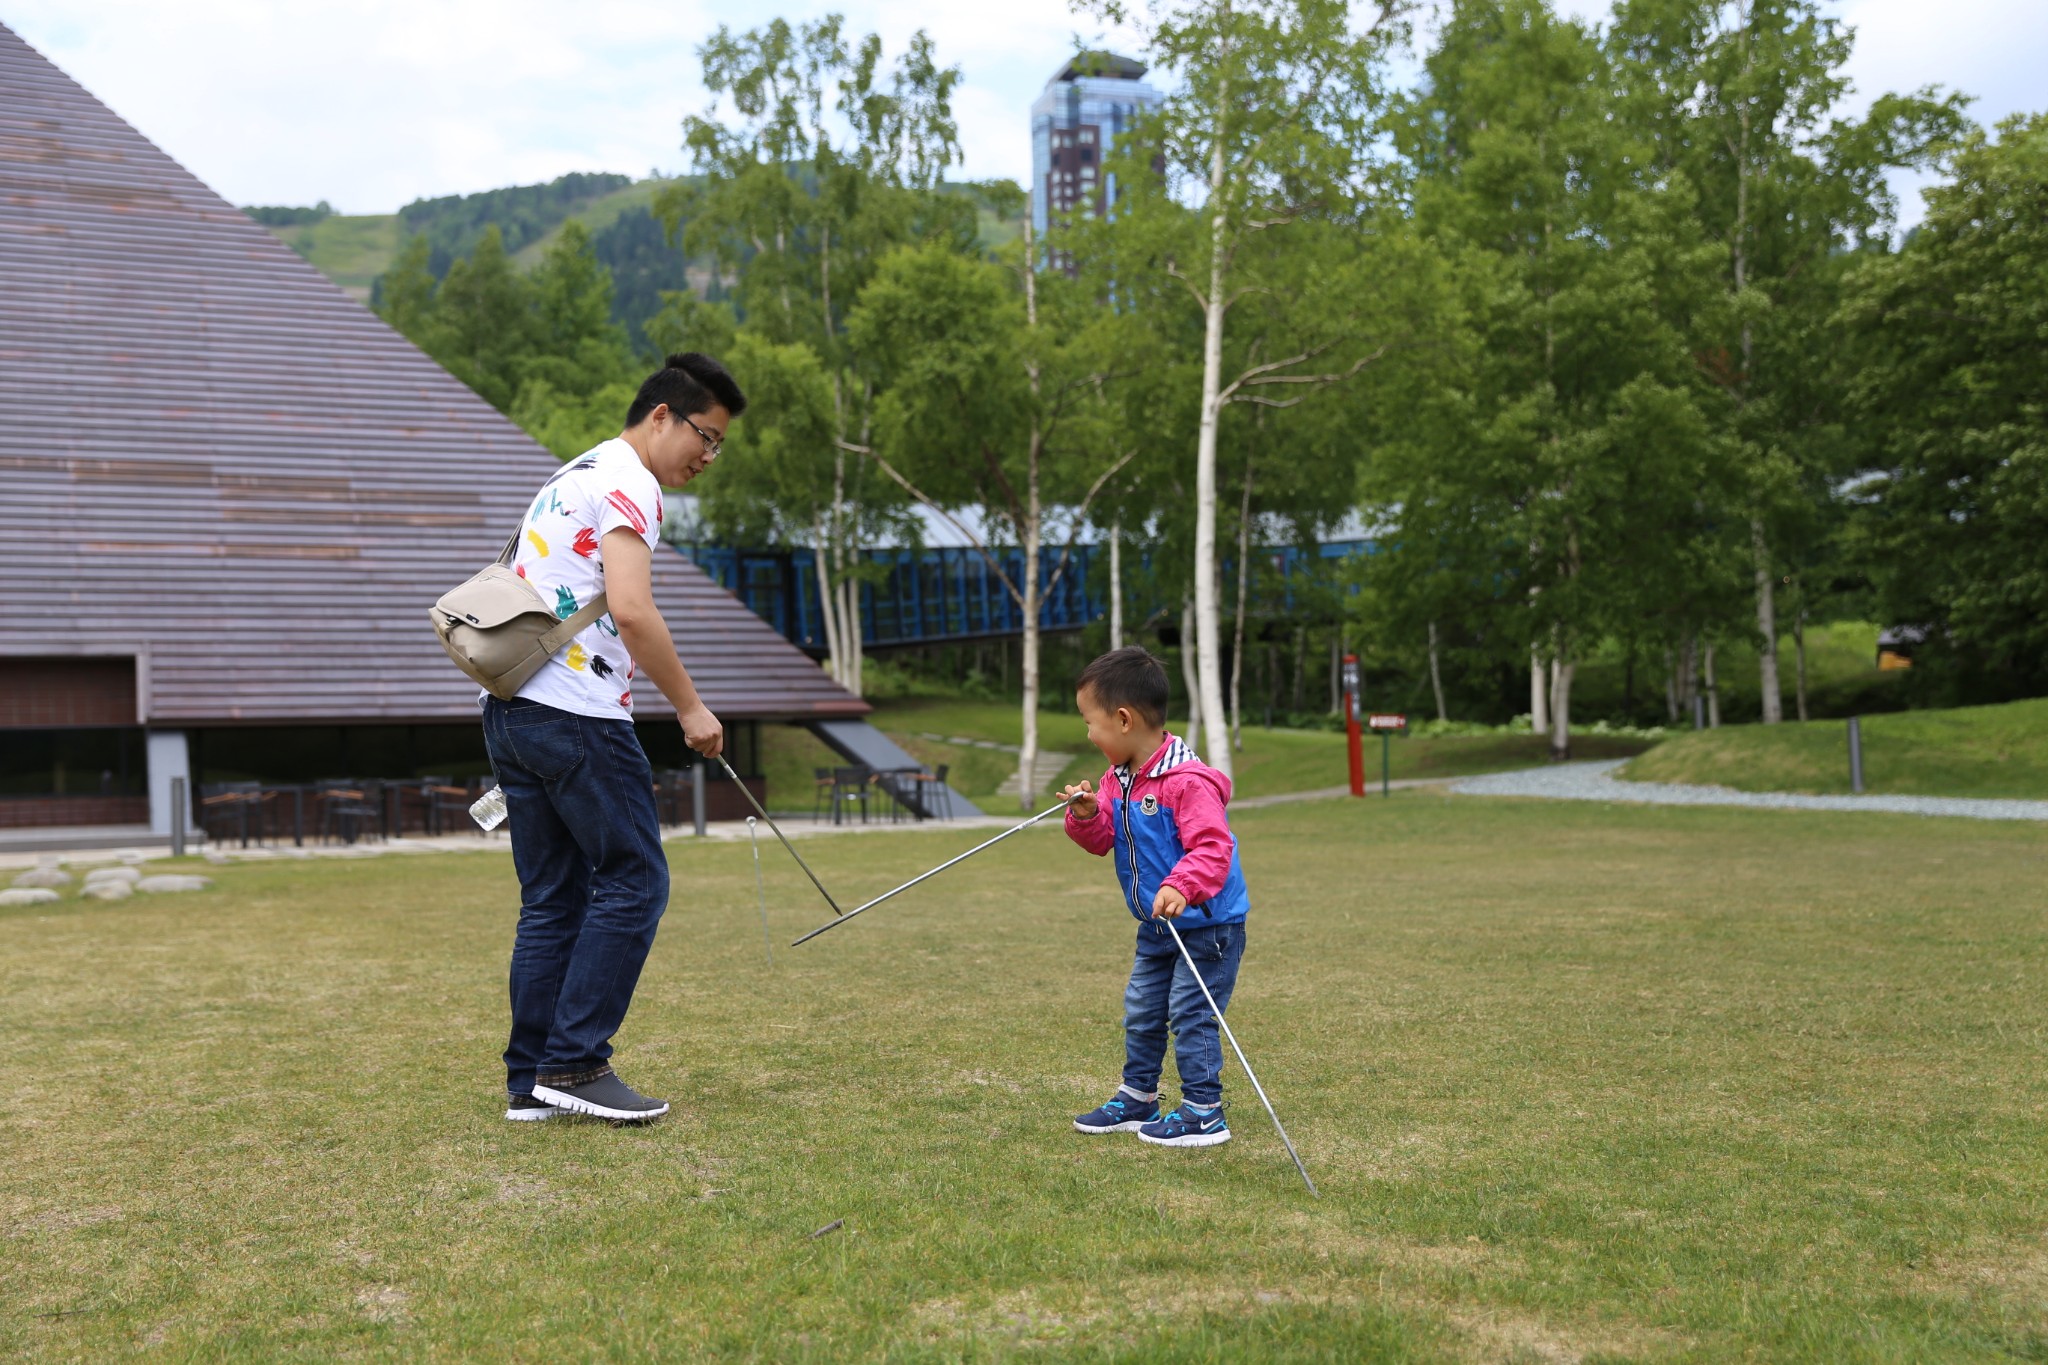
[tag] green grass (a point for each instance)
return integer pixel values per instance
(1970, 751)
(1841, 665)
(1576, 1081)
(1272, 761)
(351, 250)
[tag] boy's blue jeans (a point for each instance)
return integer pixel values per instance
(586, 842)
(1164, 996)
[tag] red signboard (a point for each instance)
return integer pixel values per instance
(1386, 720)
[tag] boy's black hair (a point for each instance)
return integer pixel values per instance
(689, 382)
(1127, 677)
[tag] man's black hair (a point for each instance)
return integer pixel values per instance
(689, 382)
(1127, 677)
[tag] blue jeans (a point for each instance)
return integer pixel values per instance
(1163, 996)
(586, 842)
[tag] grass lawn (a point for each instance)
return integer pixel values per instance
(1576, 1081)
(1969, 751)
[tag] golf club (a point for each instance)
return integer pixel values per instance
(760, 892)
(778, 834)
(1051, 810)
(1187, 958)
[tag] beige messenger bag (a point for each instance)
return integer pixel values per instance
(499, 629)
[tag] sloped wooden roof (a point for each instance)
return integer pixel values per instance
(216, 461)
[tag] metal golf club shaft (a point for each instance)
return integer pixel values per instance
(1248, 1074)
(760, 892)
(1052, 810)
(778, 834)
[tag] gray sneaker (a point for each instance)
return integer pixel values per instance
(527, 1109)
(606, 1097)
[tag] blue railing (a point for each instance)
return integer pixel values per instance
(916, 596)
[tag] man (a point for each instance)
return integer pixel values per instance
(586, 840)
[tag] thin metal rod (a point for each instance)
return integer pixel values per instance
(760, 891)
(1051, 810)
(778, 834)
(1248, 1073)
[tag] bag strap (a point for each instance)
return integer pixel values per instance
(572, 626)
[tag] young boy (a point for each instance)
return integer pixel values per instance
(1161, 811)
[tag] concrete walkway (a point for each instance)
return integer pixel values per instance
(1596, 782)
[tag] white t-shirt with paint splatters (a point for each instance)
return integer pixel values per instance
(561, 552)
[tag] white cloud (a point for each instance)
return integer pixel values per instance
(371, 103)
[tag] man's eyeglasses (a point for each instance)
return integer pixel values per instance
(711, 443)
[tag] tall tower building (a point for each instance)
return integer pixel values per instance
(1094, 99)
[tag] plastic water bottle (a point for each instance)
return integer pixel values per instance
(489, 809)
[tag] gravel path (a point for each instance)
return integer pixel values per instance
(1596, 782)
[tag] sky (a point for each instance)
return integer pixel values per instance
(370, 104)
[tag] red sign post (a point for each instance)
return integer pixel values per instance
(1354, 739)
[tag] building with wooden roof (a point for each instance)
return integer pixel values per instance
(232, 494)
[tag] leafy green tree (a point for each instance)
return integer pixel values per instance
(1951, 398)
(991, 398)
(801, 211)
(484, 323)
(1564, 463)
(1737, 96)
(1273, 128)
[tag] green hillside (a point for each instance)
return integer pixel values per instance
(351, 250)
(1970, 751)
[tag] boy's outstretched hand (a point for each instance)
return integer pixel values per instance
(1168, 903)
(1080, 799)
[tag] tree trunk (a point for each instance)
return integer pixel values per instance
(1713, 691)
(826, 612)
(1766, 625)
(1027, 758)
(1799, 656)
(1336, 673)
(1300, 697)
(1116, 584)
(1244, 567)
(1187, 674)
(1436, 677)
(1561, 709)
(1539, 694)
(1670, 686)
(1208, 629)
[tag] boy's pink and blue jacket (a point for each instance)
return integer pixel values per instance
(1164, 820)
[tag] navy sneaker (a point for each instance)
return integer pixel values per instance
(1187, 1126)
(1119, 1114)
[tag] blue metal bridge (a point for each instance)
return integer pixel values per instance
(952, 594)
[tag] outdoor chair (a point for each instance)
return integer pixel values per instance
(229, 809)
(348, 810)
(672, 796)
(928, 793)
(850, 785)
(441, 797)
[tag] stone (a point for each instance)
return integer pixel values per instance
(27, 895)
(108, 890)
(216, 857)
(44, 877)
(126, 875)
(172, 881)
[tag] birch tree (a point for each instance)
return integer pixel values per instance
(990, 399)
(1739, 97)
(1270, 130)
(828, 164)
